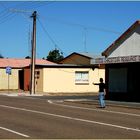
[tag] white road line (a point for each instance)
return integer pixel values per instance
(15, 132)
(99, 110)
(71, 118)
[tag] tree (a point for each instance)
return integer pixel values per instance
(55, 56)
(27, 57)
(1, 56)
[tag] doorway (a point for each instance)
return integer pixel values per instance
(21, 79)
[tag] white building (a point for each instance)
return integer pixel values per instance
(122, 70)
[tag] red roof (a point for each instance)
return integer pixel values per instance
(20, 63)
(106, 52)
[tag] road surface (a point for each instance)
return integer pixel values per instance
(42, 118)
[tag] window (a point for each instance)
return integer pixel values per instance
(81, 77)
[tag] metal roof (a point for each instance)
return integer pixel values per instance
(20, 63)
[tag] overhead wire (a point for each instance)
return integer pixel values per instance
(47, 33)
(85, 28)
(8, 17)
(6, 14)
(50, 37)
(56, 46)
(80, 25)
(42, 3)
(37, 4)
(9, 13)
(73, 60)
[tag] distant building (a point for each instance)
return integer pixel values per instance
(83, 59)
(87, 59)
(49, 77)
(74, 75)
(122, 66)
(16, 79)
(63, 79)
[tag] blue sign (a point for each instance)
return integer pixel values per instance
(8, 70)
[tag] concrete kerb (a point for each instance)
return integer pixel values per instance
(20, 94)
(133, 105)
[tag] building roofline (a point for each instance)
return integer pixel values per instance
(73, 54)
(20, 62)
(105, 53)
(65, 66)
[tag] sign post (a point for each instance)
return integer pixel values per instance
(8, 71)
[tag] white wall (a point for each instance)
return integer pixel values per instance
(129, 46)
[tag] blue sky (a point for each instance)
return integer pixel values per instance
(71, 26)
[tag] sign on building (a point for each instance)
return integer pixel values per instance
(8, 70)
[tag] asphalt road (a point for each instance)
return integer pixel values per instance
(42, 118)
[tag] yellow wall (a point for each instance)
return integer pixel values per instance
(39, 80)
(55, 80)
(13, 79)
(62, 80)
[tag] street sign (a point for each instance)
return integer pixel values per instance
(8, 70)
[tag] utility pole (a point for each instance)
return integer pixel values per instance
(33, 55)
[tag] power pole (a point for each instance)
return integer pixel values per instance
(33, 55)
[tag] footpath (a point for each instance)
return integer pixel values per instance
(135, 105)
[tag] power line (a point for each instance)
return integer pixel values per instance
(6, 14)
(52, 40)
(6, 9)
(47, 33)
(85, 29)
(81, 25)
(20, 11)
(6, 18)
(56, 46)
(37, 4)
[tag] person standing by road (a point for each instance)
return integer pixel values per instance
(102, 92)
